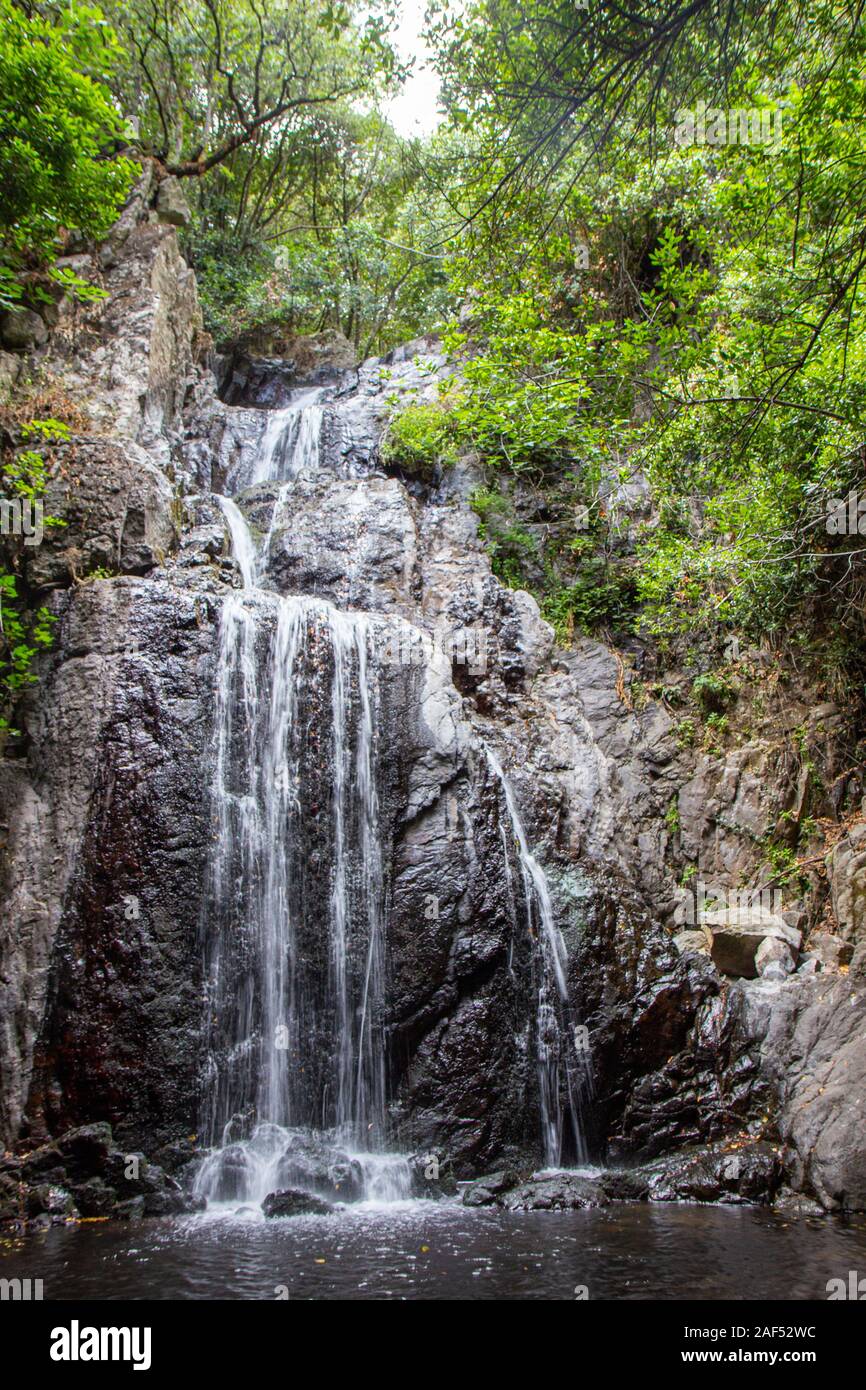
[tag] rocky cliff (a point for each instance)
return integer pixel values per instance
(743, 1031)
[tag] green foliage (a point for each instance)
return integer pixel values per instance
(310, 212)
(685, 732)
(688, 317)
(56, 123)
(420, 439)
(713, 692)
(513, 550)
(602, 596)
(23, 631)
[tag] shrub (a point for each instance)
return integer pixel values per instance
(420, 439)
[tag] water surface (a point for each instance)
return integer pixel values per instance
(428, 1250)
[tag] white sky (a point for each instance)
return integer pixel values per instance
(414, 111)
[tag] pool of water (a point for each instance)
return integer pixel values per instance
(427, 1250)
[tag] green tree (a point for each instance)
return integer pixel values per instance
(58, 133)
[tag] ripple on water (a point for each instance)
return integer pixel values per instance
(431, 1250)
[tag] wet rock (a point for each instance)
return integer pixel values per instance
(292, 1202)
(432, 1175)
(265, 367)
(731, 1172)
(797, 1204)
(44, 1162)
(121, 725)
(85, 1174)
(86, 1151)
(95, 1198)
(353, 542)
(625, 1184)
(12, 1198)
(107, 829)
(555, 1192)
(130, 1210)
(169, 1202)
(314, 1165)
(54, 1202)
(488, 1190)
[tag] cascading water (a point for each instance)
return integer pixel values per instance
(562, 1074)
(242, 542)
(295, 1075)
(291, 441)
(295, 1082)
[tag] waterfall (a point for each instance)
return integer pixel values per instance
(243, 548)
(295, 1074)
(294, 1083)
(291, 441)
(558, 1064)
(295, 951)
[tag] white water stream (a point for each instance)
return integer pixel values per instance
(295, 1084)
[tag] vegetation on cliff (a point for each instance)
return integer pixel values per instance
(653, 221)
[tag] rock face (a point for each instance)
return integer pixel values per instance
(22, 328)
(85, 1174)
(171, 205)
(699, 1037)
(742, 942)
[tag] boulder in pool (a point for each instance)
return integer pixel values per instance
(292, 1202)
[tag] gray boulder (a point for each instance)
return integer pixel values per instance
(555, 1192)
(737, 934)
(171, 205)
(21, 329)
(292, 1202)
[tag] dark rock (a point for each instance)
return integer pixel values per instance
(54, 1202)
(555, 1192)
(94, 1198)
(311, 1163)
(106, 827)
(12, 1198)
(731, 1172)
(117, 509)
(432, 1175)
(45, 1162)
(85, 1151)
(487, 1191)
(21, 329)
(625, 1184)
(295, 1203)
(130, 1210)
(167, 1202)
